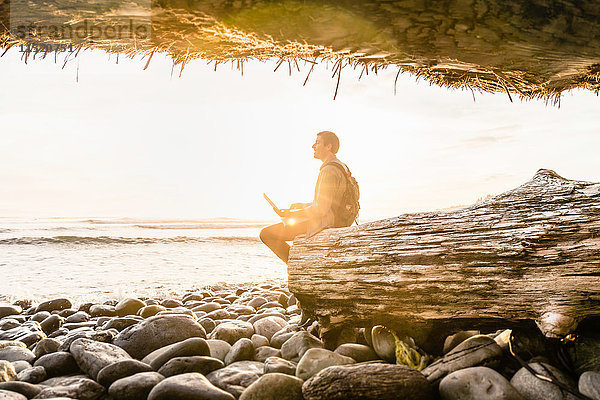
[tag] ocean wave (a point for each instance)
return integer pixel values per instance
(202, 226)
(106, 240)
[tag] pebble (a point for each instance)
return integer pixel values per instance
(218, 348)
(40, 316)
(57, 364)
(76, 387)
(359, 352)
(264, 352)
(92, 356)
(189, 347)
(134, 387)
(155, 332)
(120, 323)
(10, 395)
(7, 371)
(533, 388)
(150, 310)
(384, 343)
(373, 381)
(259, 340)
(6, 310)
(208, 324)
(188, 386)
(274, 386)
(102, 310)
(268, 326)
(55, 304)
(129, 306)
(46, 346)
(232, 331)
(277, 364)
(236, 377)
(589, 384)
(79, 316)
(26, 389)
(51, 323)
(32, 375)
(20, 365)
(8, 323)
(475, 351)
(182, 365)
(16, 353)
(314, 360)
(121, 369)
(242, 350)
(454, 340)
(298, 344)
(477, 383)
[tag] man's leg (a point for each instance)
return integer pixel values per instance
(276, 236)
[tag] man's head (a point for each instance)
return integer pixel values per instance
(326, 145)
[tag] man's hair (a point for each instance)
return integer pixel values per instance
(332, 139)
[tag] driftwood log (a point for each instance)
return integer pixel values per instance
(530, 254)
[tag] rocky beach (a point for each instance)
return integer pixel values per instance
(246, 342)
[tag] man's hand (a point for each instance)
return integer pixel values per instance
(299, 206)
(282, 212)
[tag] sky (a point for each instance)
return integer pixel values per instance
(99, 138)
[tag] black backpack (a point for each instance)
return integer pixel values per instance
(348, 207)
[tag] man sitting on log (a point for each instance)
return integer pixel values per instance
(335, 203)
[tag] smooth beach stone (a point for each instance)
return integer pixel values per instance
(589, 384)
(218, 348)
(29, 332)
(9, 309)
(259, 341)
(102, 310)
(220, 315)
(129, 306)
(76, 387)
(92, 356)
(79, 316)
(533, 388)
(584, 353)
(283, 335)
(67, 312)
(270, 304)
(274, 386)
(298, 344)
(239, 309)
(268, 326)
(232, 331)
(7, 371)
(177, 310)
(16, 353)
(46, 346)
(9, 323)
(188, 347)
(266, 314)
(155, 332)
(374, 381)
(264, 352)
(120, 323)
(281, 365)
(10, 395)
(26, 389)
(192, 297)
(384, 343)
(454, 340)
(11, 343)
(71, 326)
(40, 316)
(121, 369)
(134, 387)
(85, 333)
(183, 365)
(55, 304)
(359, 352)
(242, 350)
(32, 375)
(187, 387)
(57, 364)
(150, 310)
(207, 307)
(314, 360)
(257, 302)
(208, 324)
(52, 323)
(477, 383)
(236, 377)
(20, 365)
(171, 303)
(473, 352)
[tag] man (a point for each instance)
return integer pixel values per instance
(323, 212)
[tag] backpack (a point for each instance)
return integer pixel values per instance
(348, 207)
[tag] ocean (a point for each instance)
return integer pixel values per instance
(101, 258)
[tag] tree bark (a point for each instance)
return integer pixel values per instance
(531, 253)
